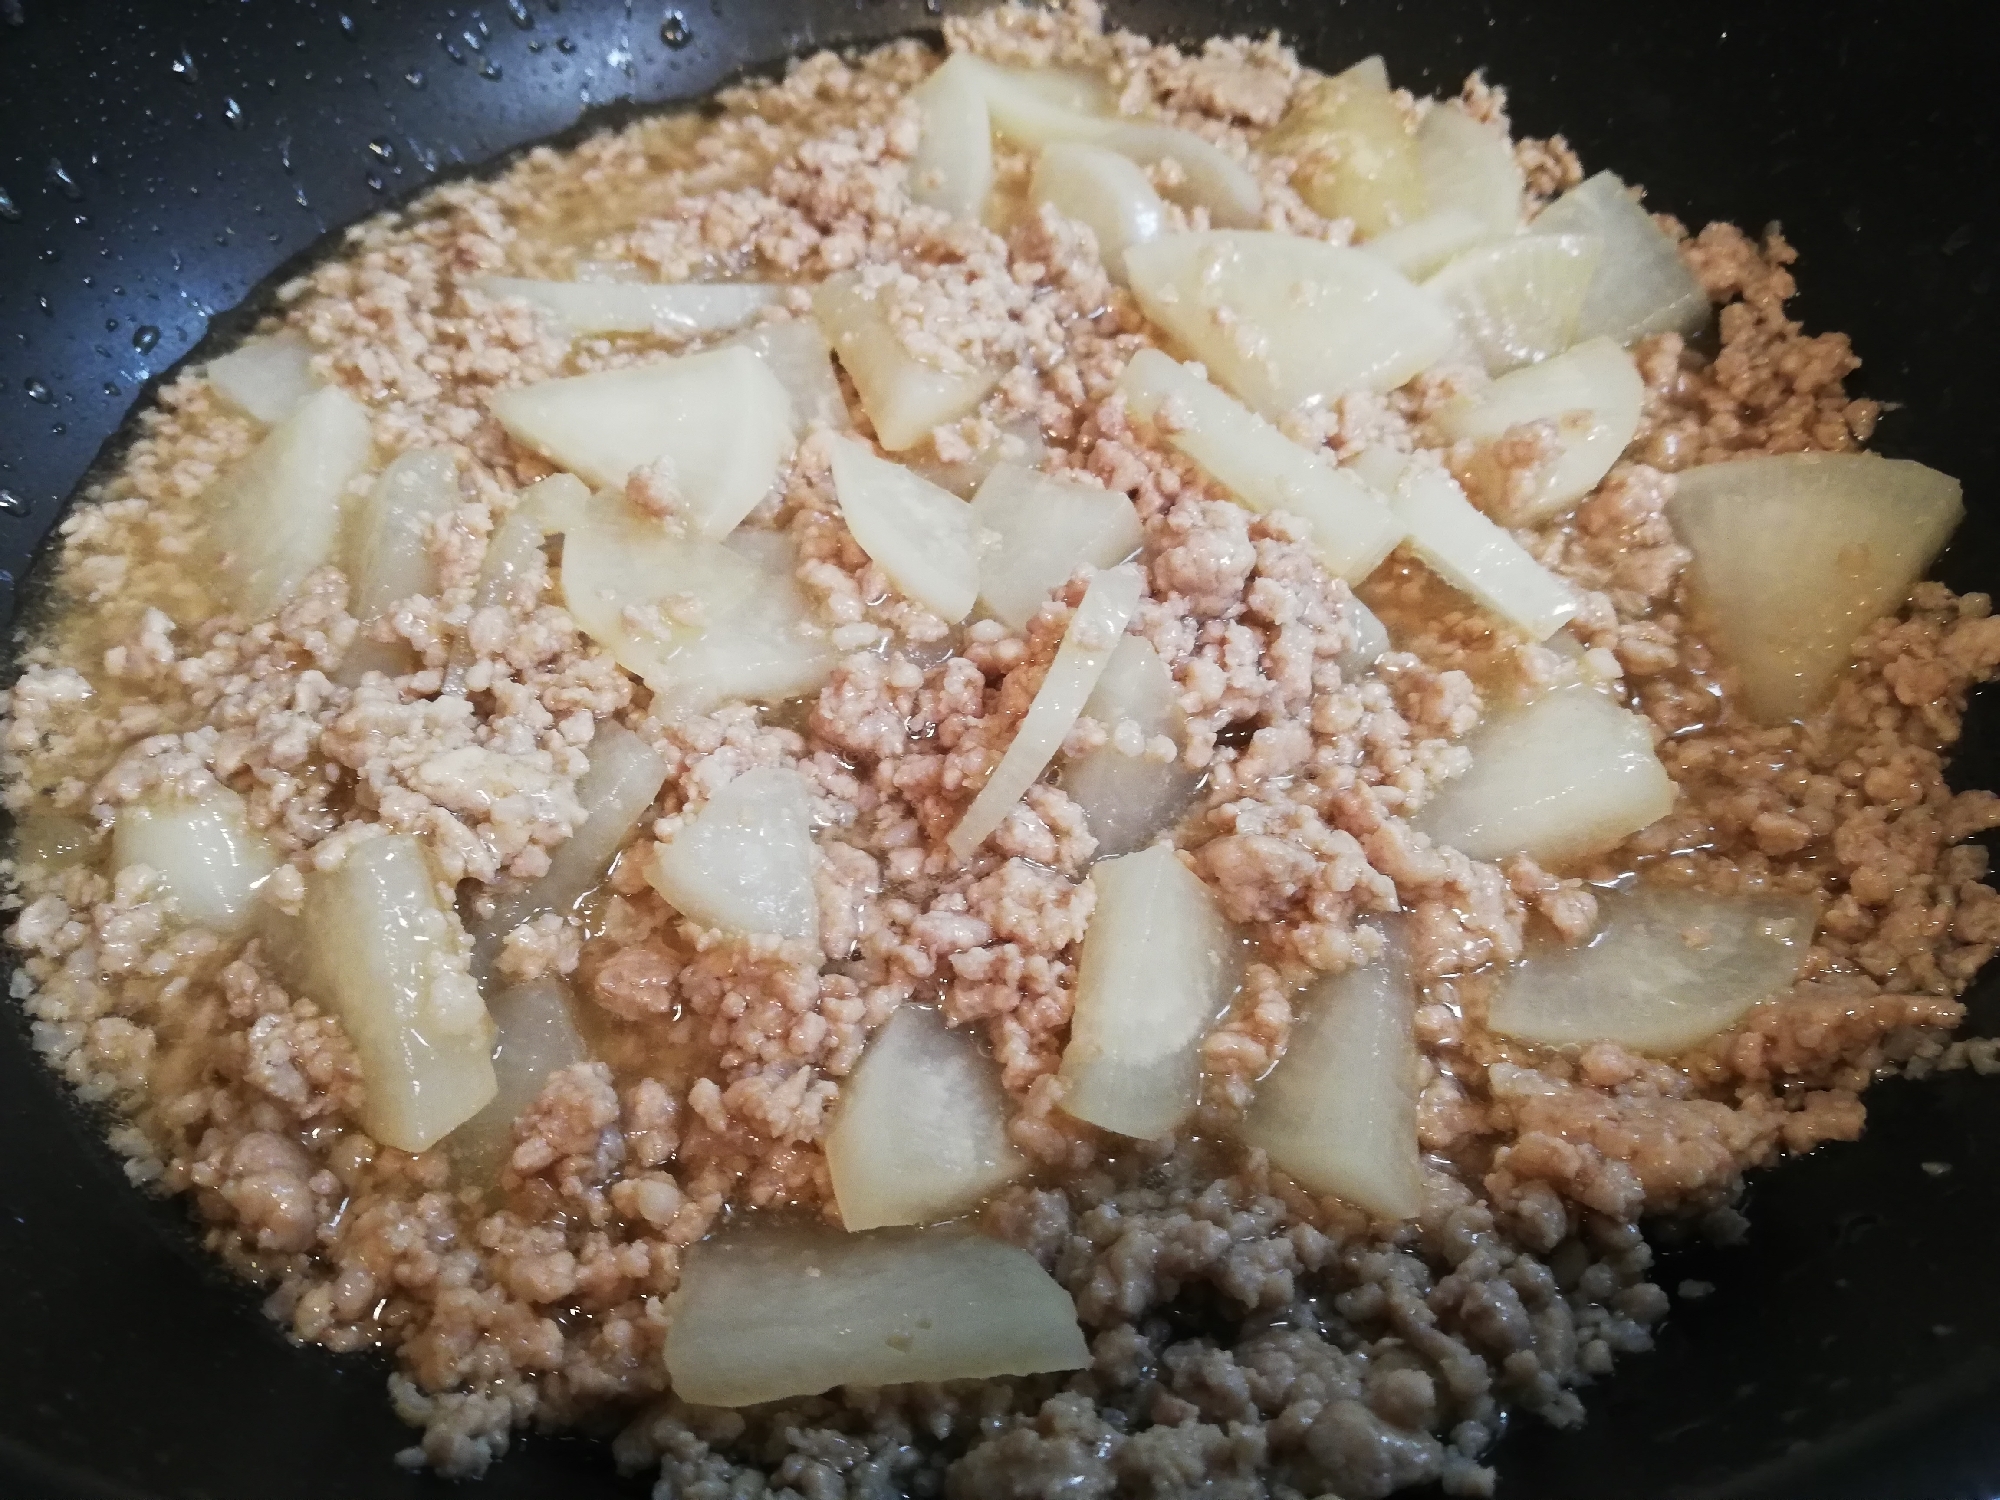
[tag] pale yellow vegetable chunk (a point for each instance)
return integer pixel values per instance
(1156, 972)
(1642, 285)
(766, 1311)
(1339, 1112)
(1469, 552)
(923, 537)
(953, 165)
(799, 355)
(1356, 157)
(389, 555)
(1795, 556)
(744, 863)
(210, 862)
(1284, 321)
(683, 309)
(1424, 245)
(1469, 165)
(1105, 191)
(768, 647)
(1518, 300)
(904, 397)
(1665, 969)
(1036, 532)
(1127, 794)
(265, 378)
(535, 1037)
(920, 1133)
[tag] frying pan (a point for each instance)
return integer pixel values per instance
(162, 159)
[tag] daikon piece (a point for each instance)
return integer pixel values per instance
(1352, 527)
(1094, 629)
(1157, 968)
(1017, 441)
(535, 1037)
(276, 516)
(1371, 638)
(1517, 301)
(384, 952)
(1470, 552)
(920, 1133)
(1469, 165)
(1796, 555)
(744, 862)
(1129, 799)
(210, 862)
(1284, 321)
(1568, 775)
(1103, 190)
(265, 378)
(1592, 394)
(767, 1311)
(1666, 969)
(1642, 286)
(953, 165)
(799, 355)
(1357, 159)
(768, 647)
(684, 309)
(1339, 1112)
(721, 419)
(904, 397)
(389, 551)
(1424, 245)
(552, 504)
(921, 536)
(1038, 531)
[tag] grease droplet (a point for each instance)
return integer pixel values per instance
(346, 24)
(144, 337)
(7, 209)
(37, 390)
(519, 11)
(415, 78)
(674, 30)
(382, 149)
(374, 181)
(12, 504)
(59, 175)
(565, 45)
(232, 114)
(491, 72)
(111, 388)
(184, 67)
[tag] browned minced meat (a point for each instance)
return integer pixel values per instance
(1247, 1338)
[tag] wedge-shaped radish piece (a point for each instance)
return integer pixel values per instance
(210, 862)
(1037, 531)
(1468, 551)
(1100, 619)
(1018, 441)
(1352, 528)
(535, 1038)
(265, 378)
(1568, 775)
(1357, 159)
(685, 309)
(377, 945)
(276, 516)
(552, 505)
(389, 555)
(1128, 797)
(1592, 394)
(1103, 190)
(1157, 969)
(1517, 301)
(799, 355)
(720, 419)
(904, 397)
(1371, 638)
(767, 648)
(920, 1133)
(1424, 245)
(1796, 555)
(1665, 969)
(1641, 286)
(921, 536)
(764, 1312)
(1470, 166)
(1339, 1112)
(1284, 321)
(953, 165)
(744, 863)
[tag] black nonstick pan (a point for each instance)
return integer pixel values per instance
(160, 160)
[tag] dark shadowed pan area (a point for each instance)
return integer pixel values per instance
(160, 159)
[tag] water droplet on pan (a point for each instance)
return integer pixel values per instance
(38, 390)
(66, 184)
(232, 114)
(144, 337)
(674, 31)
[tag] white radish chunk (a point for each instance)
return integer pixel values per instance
(1666, 969)
(1352, 528)
(1105, 192)
(265, 378)
(682, 309)
(1339, 1112)
(1795, 556)
(720, 419)
(1018, 441)
(535, 1037)
(768, 1311)
(952, 169)
(799, 355)
(1423, 246)
(1469, 166)
(1356, 157)
(923, 537)
(904, 397)
(276, 516)
(1517, 301)
(1128, 797)
(1283, 321)
(1567, 776)
(1470, 552)
(551, 505)
(210, 862)
(1157, 968)
(920, 1133)
(768, 647)
(1593, 396)
(1037, 531)
(389, 551)
(1371, 638)
(1094, 629)
(744, 862)
(1642, 286)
